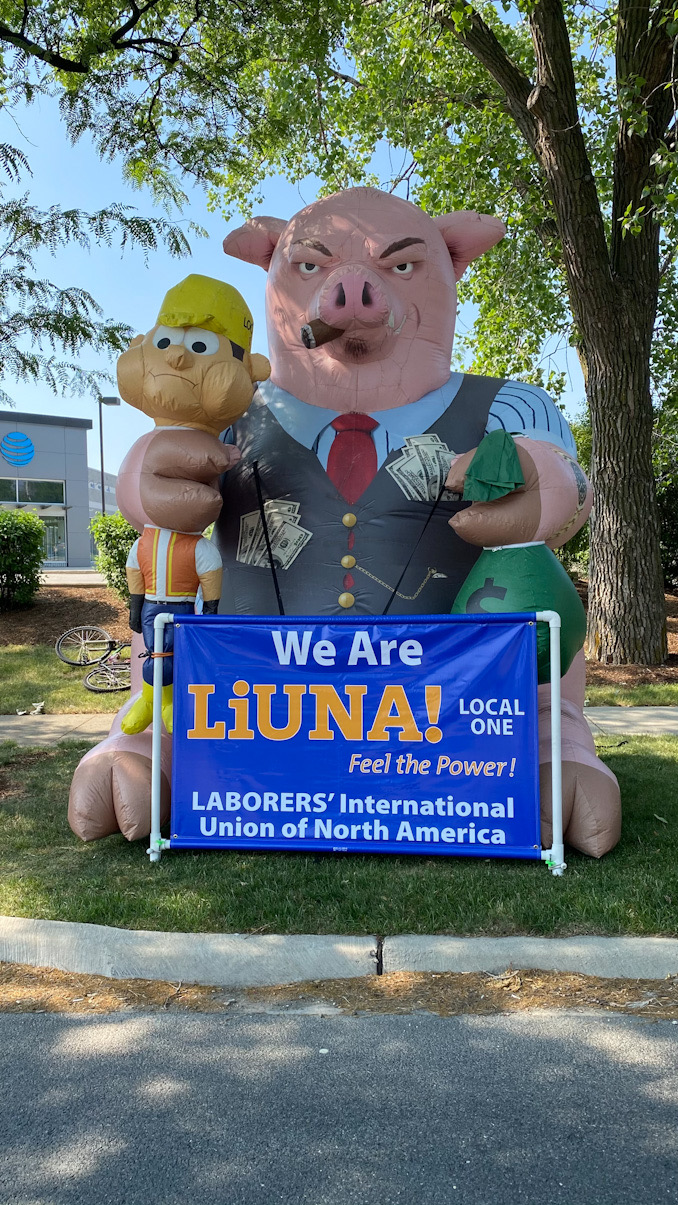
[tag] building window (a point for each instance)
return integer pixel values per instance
(7, 489)
(50, 492)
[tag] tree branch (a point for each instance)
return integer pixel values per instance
(644, 58)
(345, 79)
(488, 50)
(547, 116)
(115, 40)
(137, 14)
(562, 154)
(34, 50)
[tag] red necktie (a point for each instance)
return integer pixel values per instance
(352, 462)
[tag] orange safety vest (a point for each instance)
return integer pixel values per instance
(168, 565)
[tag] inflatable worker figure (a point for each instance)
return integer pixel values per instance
(192, 371)
(164, 570)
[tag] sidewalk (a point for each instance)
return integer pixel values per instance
(72, 577)
(632, 721)
(48, 729)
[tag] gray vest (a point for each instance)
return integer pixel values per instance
(389, 527)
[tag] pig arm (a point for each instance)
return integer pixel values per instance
(179, 478)
(552, 505)
(556, 498)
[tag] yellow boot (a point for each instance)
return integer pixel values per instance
(140, 713)
(167, 707)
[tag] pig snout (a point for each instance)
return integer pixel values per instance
(351, 297)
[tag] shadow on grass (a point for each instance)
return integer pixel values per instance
(46, 872)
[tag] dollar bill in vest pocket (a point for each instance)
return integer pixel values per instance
(286, 535)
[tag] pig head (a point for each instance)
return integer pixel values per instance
(379, 270)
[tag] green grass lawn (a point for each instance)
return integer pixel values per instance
(29, 674)
(33, 673)
(660, 694)
(47, 872)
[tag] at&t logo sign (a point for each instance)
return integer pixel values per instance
(17, 448)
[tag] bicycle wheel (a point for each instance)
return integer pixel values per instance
(106, 677)
(83, 646)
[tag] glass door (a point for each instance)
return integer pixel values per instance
(54, 540)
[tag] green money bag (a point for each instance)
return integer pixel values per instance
(530, 578)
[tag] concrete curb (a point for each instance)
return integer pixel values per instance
(609, 957)
(220, 959)
(261, 960)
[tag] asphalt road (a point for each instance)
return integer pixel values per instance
(135, 1109)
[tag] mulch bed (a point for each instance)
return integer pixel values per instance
(36, 989)
(638, 675)
(60, 607)
(57, 608)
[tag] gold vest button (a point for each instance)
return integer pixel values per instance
(348, 562)
(349, 520)
(346, 600)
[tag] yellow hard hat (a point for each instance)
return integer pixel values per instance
(212, 304)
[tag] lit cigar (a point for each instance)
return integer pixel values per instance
(315, 333)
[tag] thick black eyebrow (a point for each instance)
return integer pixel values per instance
(400, 245)
(314, 243)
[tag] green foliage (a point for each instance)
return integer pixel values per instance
(229, 94)
(665, 458)
(21, 557)
(114, 537)
(40, 320)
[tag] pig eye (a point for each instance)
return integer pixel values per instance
(201, 342)
(309, 269)
(403, 269)
(166, 335)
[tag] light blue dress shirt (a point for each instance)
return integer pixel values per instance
(518, 408)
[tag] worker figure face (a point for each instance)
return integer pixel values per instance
(189, 377)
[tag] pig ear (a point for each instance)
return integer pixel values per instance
(468, 235)
(256, 241)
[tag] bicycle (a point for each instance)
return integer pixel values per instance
(111, 659)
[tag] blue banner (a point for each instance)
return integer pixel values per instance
(380, 735)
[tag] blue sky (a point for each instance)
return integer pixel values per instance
(126, 287)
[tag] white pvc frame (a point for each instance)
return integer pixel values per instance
(554, 857)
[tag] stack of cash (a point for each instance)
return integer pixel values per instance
(286, 535)
(422, 467)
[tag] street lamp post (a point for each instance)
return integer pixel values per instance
(104, 401)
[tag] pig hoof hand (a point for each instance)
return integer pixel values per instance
(111, 791)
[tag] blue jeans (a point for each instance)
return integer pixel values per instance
(149, 610)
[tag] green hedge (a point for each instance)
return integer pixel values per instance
(21, 556)
(114, 537)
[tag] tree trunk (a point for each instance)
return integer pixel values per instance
(626, 620)
(613, 291)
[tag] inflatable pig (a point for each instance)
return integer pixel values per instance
(362, 438)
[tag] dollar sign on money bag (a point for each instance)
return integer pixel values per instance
(526, 579)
